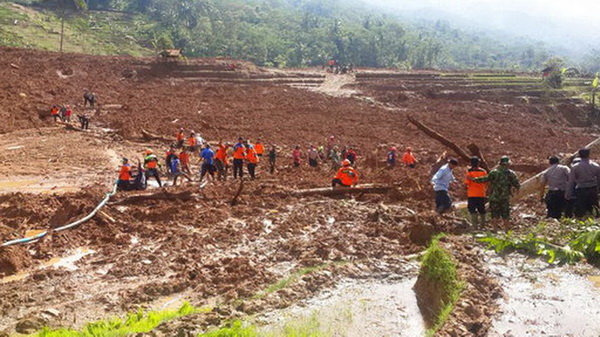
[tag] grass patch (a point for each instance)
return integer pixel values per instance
(293, 278)
(138, 322)
(309, 327)
(439, 269)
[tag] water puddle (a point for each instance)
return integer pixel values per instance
(356, 308)
(543, 300)
(67, 262)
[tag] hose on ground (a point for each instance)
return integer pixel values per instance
(67, 226)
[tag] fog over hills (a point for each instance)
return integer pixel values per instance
(569, 28)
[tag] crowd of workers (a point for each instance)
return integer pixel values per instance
(242, 158)
(64, 112)
(566, 191)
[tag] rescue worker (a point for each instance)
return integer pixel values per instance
(221, 162)
(572, 200)
(124, 181)
(184, 158)
(313, 156)
(476, 193)
(556, 177)
(351, 155)
(259, 147)
(179, 138)
(502, 182)
(584, 179)
(330, 144)
(346, 176)
(55, 112)
(192, 141)
(169, 155)
(208, 156)
(89, 97)
(296, 156)
(272, 158)
(441, 183)
(67, 114)
(84, 121)
(239, 154)
(252, 160)
(335, 158)
(175, 168)
(151, 166)
(391, 157)
(408, 158)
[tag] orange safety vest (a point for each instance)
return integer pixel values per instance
(475, 189)
(54, 111)
(124, 173)
(251, 156)
(184, 158)
(239, 152)
(222, 154)
(347, 175)
(151, 162)
(192, 141)
(260, 148)
(408, 158)
(180, 136)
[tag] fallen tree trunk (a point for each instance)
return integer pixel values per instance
(475, 151)
(329, 191)
(534, 184)
(435, 135)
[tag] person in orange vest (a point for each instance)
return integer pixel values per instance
(252, 159)
(408, 158)
(259, 147)
(184, 159)
(239, 154)
(221, 162)
(151, 166)
(192, 141)
(124, 182)
(476, 193)
(180, 138)
(55, 112)
(346, 176)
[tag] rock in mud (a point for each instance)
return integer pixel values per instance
(30, 324)
(421, 233)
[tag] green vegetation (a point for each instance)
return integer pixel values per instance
(294, 277)
(138, 322)
(439, 268)
(572, 246)
(270, 32)
(301, 328)
(88, 32)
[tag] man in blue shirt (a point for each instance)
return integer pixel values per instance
(441, 182)
(208, 158)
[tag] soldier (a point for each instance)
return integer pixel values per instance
(502, 181)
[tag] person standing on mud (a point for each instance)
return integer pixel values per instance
(184, 158)
(55, 113)
(124, 181)
(151, 165)
(296, 156)
(351, 155)
(313, 156)
(502, 183)
(441, 183)
(208, 158)
(476, 193)
(584, 180)
(252, 160)
(570, 203)
(89, 98)
(557, 179)
(391, 158)
(176, 171)
(221, 162)
(84, 121)
(239, 154)
(179, 138)
(272, 158)
(408, 158)
(334, 157)
(259, 147)
(192, 141)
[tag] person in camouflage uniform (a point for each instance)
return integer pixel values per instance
(502, 181)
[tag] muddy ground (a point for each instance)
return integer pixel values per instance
(157, 248)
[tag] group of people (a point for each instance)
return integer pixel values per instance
(64, 112)
(566, 191)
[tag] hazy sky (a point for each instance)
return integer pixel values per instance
(573, 25)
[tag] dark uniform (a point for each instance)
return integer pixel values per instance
(502, 180)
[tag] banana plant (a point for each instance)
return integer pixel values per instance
(594, 88)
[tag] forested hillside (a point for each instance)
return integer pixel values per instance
(291, 33)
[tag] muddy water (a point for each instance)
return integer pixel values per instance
(356, 309)
(544, 301)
